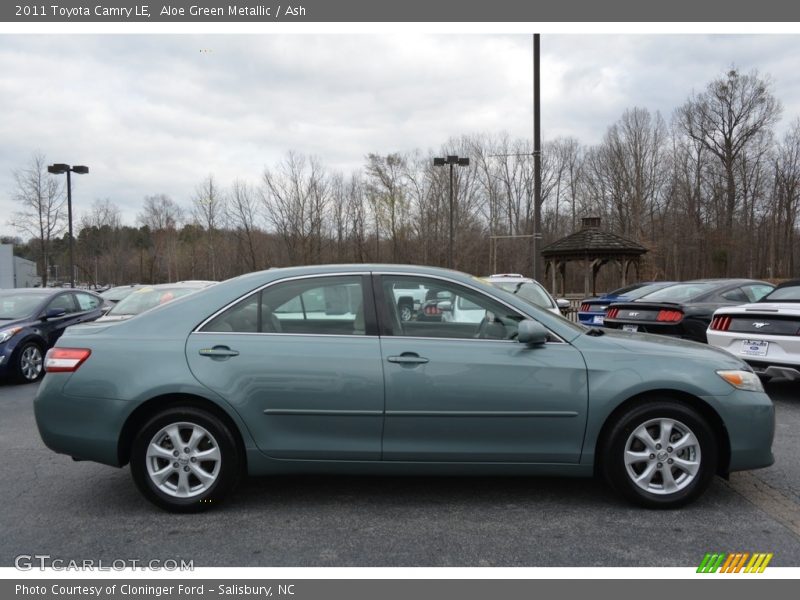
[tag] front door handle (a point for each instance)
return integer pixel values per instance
(219, 352)
(408, 358)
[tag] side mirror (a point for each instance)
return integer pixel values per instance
(531, 332)
(445, 306)
(53, 313)
(563, 304)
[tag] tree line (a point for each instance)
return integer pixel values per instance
(711, 192)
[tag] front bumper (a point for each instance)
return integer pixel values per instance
(749, 418)
(84, 428)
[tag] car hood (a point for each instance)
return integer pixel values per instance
(645, 344)
(24, 322)
(113, 318)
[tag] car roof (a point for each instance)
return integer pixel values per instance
(790, 283)
(39, 290)
(192, 285)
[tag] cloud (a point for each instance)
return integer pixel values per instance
(157, 113)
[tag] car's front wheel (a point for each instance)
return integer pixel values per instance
(660, 454)
(185, 459)
(30, 363)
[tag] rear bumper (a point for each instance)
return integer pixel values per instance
(768, 371)
(84, 428)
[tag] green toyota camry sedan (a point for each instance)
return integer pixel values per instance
(312, 370)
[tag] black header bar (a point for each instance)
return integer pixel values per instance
(338, 11)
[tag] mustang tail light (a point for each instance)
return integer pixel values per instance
(65, 360)
(585, 307)
(669, 316)
(612, 313)
(432, 311)
(720, 323)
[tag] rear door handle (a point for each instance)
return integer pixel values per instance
(408, 358)
(218, 352)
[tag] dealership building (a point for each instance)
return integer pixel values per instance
(16, 272)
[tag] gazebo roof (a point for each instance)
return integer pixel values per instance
(592, 242)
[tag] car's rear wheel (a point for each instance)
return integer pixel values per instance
(660, 454)
(30, 363)
(185, 460)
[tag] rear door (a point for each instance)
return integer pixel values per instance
(300, 361)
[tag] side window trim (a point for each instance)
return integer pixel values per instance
(70, 296)
(367, 296)
(385, 320)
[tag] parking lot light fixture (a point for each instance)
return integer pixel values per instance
(451, 160)
(58, 169)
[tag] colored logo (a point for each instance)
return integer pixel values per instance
(737, 562)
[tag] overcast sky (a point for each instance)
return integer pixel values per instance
(157, 113)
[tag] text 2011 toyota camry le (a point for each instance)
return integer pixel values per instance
(311, 369)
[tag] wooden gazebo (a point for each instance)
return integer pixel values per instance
(594, 248)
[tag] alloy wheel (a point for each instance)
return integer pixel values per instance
(30, 363)
(662, 456)
(183, 460)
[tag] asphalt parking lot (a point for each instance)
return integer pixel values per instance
(77, 511)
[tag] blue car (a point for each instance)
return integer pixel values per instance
(593, 310)
(32, 319)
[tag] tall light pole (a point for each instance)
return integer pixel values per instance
(451, 160)
(537, 161)
(57, 169)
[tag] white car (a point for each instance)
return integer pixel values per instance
(766, 334)
(526, 288)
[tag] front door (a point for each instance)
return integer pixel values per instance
(462, 389)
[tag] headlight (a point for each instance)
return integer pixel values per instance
(742, 380)
(7, 334)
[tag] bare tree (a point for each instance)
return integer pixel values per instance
(242, 211)
(724, 118)
(295, 199)
(787, 205)
(208, 209)
(42, 215)
(386, 188)
(162, 216)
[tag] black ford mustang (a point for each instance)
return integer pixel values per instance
(684, 310)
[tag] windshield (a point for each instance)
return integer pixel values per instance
(625, 291)
(789, 293)
(679, 292)
(646, 289)
(531, 292)
(118, 293)
(146, 298)
(16, 306)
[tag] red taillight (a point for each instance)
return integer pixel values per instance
(432, 311)
(720, 323)
(585, 307)
(670, 316)
(65, 360)
(612, 313)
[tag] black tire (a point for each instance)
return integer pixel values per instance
(229, 469)
(22, 365)
(405, 309)
(620, 436)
